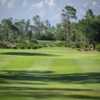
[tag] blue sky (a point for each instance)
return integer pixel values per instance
(47, 9)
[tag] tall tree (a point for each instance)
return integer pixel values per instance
(7, 27)
(37, 24)
(21, 26)
(68, 13)
(90, 27)
(89, 14)
(28, 30)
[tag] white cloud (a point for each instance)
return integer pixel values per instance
(42, 4)
(85, 5)
(3, 2)
(50, 2)
(57, 16)
(38, 5)
(11, 3)
(24, 4)
(8, 3)
(94, 3)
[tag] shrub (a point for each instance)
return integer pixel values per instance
(98, 47)
(59, 43)
(7, 44)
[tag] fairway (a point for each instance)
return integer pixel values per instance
(55, 73)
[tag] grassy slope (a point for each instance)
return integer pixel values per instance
(68, 73)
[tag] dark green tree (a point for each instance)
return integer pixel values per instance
(68, 13)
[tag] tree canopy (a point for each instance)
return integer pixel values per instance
(81, 34)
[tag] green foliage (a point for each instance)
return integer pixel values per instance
(98, 47)
(51, 43)
(70, 11)
(59, 43)
(28, 45)
(23, 34)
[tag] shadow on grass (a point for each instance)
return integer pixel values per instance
(49, 95)
(27, 54)
(31, 84)
(49, 76)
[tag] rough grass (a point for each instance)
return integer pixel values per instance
(49, 74)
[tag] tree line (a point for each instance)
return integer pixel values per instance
(84, 34)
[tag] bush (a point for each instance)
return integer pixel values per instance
(98, 47)
(7, 44)
(51, 43)
(28, 45)
(34, 41)
(59, 43)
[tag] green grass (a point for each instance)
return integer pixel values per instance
(49, 74)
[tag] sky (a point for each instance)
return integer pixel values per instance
(47, 9)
